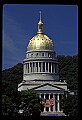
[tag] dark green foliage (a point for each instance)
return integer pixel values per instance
(8, 107)
(14, 74)
(11, 98)
(68, 70)
(30, 103)
(10, 79)
(70, 105)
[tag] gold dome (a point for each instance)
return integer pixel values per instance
(40, 41)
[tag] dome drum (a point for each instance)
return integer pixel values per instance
(40, 54)
(41, 76)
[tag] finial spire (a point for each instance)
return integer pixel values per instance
(40, 24)
(40, 16)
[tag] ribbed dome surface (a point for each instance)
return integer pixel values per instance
(40, 42)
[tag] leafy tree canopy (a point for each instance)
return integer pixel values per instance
(30, 103)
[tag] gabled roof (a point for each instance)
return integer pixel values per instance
(48, 86)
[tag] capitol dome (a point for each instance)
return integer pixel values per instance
(40, 62)
(40, 41)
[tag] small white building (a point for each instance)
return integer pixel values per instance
(40, 71)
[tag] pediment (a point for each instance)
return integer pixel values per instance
(47, 87)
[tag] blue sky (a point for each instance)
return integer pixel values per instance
(20, 23)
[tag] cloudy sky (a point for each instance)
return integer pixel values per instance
(20, 22)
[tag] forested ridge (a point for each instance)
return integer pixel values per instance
(68, 71)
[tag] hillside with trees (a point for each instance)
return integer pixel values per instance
(68, 70)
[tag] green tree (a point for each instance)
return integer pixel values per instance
(30, 103)
(68, 70)
(8, 107)
(70, 105)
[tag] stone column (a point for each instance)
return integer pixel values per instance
(51, 67)
(26, 68)
(29, 68)
(54, 107)
(61, 98)
(38, 67)
(45, 66)
(48, 66)
(41, 66)
(54, 67)
(58, 103)
(40, 97)
(49, 107)
(44, 106)
(34, 66)
(66, 95)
